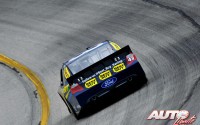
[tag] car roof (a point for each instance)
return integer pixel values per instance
(84, 52)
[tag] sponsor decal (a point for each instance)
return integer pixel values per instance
(181, 117)
(66, 90)
(101, 71)
(119, 67)
(91, 83)
(109, 82)
(66, 73)
(105, 75)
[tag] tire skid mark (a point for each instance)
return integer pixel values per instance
(190, 92)
(188, 97)
(179, 11)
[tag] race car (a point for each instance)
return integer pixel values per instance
(95, 72)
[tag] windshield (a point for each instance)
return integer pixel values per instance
(90, 58)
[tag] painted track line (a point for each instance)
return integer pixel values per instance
(36, 81)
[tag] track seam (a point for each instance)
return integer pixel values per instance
(18, 67)
(179, 11)
(196, 25)
(190, 92)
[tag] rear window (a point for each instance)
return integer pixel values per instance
(90, 58)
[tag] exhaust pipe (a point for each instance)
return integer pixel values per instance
(130, 79)
(94, 98)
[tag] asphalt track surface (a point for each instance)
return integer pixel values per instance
(163, 34)
(18, 104)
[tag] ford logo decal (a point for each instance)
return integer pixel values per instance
(109, 82)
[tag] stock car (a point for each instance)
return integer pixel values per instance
(95, 72)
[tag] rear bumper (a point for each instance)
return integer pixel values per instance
(133, 74)
(107, 91)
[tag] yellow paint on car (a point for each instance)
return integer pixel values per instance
(66, 73)
(67, 95)
(115, 46)
(119, 67)
(45, 103)
(66, 89)
(105, 75)
(91, 83)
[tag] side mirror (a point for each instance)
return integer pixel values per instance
(61, 83)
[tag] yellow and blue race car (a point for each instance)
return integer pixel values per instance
(95, 72)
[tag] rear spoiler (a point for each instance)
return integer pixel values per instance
(115, 54)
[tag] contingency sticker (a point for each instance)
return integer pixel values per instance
(91, 83)
(119, 67)
(105, 75)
